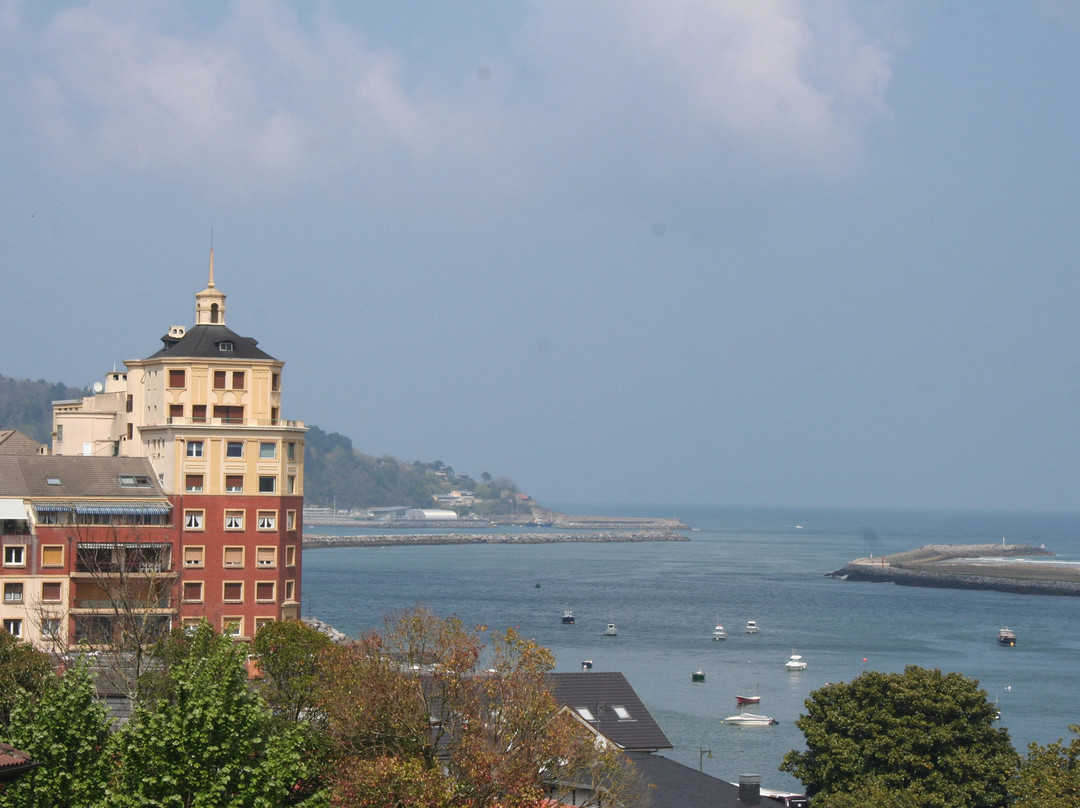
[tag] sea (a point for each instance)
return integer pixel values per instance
(767, 565)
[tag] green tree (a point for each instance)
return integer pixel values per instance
(66, 729)
(21, 668)
(1049, 776)
(290, 654)
(922, 737)
(210, 742)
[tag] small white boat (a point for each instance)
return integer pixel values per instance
(751, 627)
(750, 720)
(611, 630)
(795, 663)
(718, 633)
(586, 664)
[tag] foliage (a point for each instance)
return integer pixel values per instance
(290, 653)
(27, 406)
(1049, 776)
(920, 738)
(211, 742)
(21, 668)
(65, 728)
(420, 715)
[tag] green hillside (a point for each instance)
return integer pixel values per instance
(336, 474)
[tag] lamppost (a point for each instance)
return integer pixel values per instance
(702, 754)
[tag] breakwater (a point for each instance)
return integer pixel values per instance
(971, 566)
(314, 542)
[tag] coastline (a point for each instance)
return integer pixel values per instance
(969, 566)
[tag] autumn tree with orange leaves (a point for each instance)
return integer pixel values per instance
(424, 714)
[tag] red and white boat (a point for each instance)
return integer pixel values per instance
(742, 701)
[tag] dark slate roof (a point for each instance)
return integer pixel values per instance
(27, 476)
(204, 341)
(14, 762)
(600, 693)
(673, 785)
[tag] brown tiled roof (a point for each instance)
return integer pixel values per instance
(14, 442)
(27, 476)
(631, 726)
(14, 762)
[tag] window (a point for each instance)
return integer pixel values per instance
(129, 404)
(52, 481)
(290, 450)
(290, 590)
(262, 622)
(234, 557)
(233, 591)
(290, 555)
(130, 431)
(290, 484)
(219, 379)
(238, 380)
(232, 626)
(59, 433)
(621, 712)
(50, 627)
(13, 627)
(198, 413)
(267, 451)
(265, 556)
(267, 485)
(13, 592)
(290, 520)
(234, 483)
(229, 414)
(134, 480)
(177, 377)
(52, 555)
(234, 448)
(194, 448)
(586, 713)
(193, 591)
(193, 556)
(193, 483)
(275, 382)
(267, 520)
(191, 624)
(264, 591)
(176, 410)
(234, 520)
(50, 591)
(15, 555)
(193, 520)
(226, 346)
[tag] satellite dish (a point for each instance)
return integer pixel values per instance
(98, 387)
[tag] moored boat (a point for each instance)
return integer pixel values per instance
(750, 720)
(611, 630)
(718, 633)
(697, 676)
(568, 616)
(1006, 636)
(751, 627)
(742, 701)
(795, 662)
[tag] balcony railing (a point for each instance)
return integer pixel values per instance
(175, 420)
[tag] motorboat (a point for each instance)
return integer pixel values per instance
(750, 720)
(795, 663)
(751, 627)
(586, 664)
(718, 633)
(742, 701)
(611, 630)
(697, 676)
(1007, 636)
(568, 616)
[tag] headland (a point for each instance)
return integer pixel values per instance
(1000, 567)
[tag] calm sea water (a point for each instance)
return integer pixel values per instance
(740, 564)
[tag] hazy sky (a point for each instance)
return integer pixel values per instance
(668, 251)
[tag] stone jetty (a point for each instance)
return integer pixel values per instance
(314, 542)
(969, 566)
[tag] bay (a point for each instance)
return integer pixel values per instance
(769, 565)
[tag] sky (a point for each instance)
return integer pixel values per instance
(771, 253)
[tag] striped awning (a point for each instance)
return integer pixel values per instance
(131, 545)
(101, 509)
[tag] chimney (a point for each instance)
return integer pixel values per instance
(749, 789)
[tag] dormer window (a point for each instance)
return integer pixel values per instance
(226, 346)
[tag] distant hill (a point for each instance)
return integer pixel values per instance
(335, 473)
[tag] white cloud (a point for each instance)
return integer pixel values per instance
(261, 97)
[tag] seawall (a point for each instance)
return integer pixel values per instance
(968, 567)
(314, 542)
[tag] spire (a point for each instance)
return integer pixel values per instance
(210, 303)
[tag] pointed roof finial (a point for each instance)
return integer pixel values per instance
(210, 285)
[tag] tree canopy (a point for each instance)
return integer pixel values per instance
(919, 737)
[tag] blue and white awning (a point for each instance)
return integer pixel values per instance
(102, 509)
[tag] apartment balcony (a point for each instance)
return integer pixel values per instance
(276, 423)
